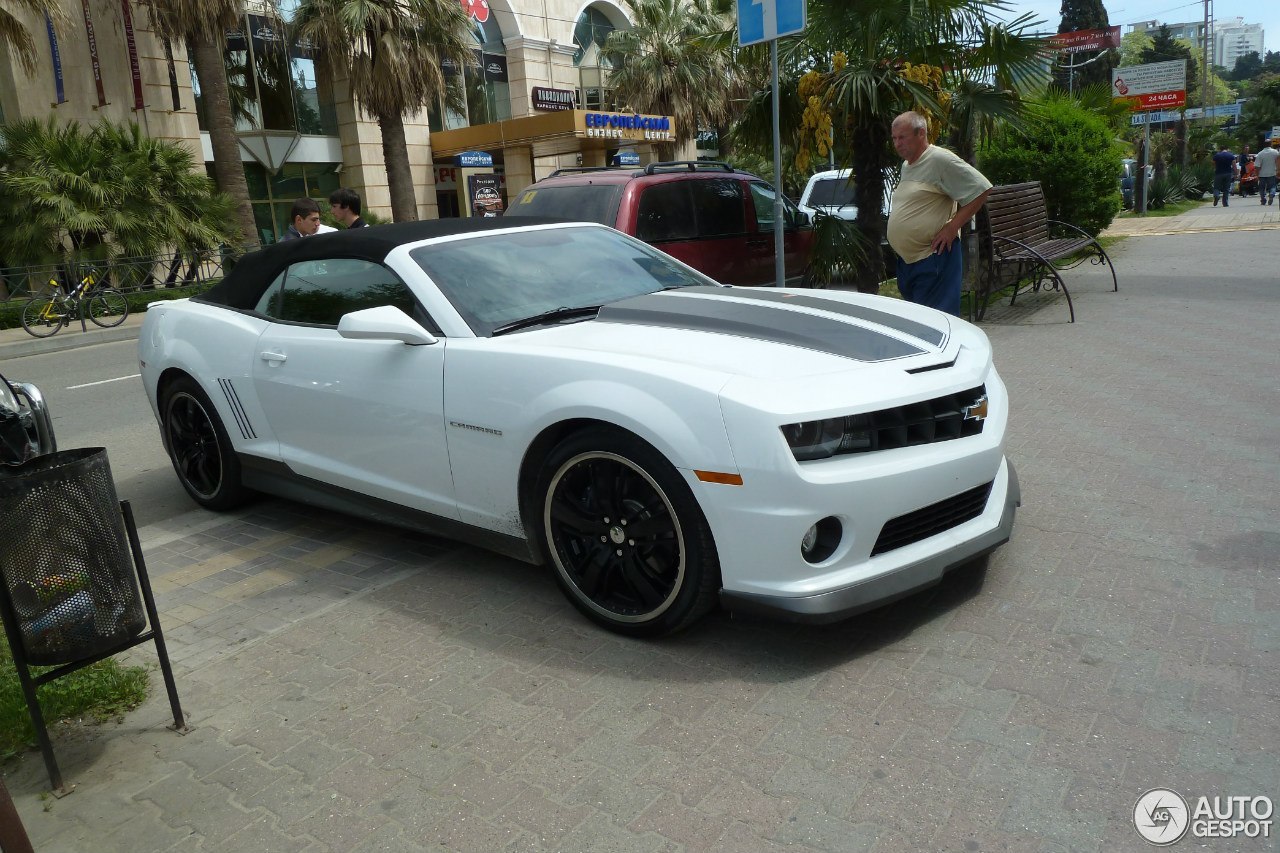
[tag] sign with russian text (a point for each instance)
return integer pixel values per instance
(93, 54)
(1079, 40)
(475, 159)
(555, 100)
(1155, 86)
(131, 43)
(596, 125)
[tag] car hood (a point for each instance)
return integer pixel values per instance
(757, 333)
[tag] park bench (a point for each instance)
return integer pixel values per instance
(1021, 248)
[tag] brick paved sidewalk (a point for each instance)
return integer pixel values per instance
(1244, 214)
(357, 688)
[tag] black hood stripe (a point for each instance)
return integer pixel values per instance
(926, 333)
(761, 322)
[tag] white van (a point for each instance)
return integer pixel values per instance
(832, 193)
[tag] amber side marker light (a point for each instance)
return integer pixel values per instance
(718, 477)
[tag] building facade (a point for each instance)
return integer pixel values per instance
(1230, 39)
(535, 97)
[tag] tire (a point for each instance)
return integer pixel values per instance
(34, 318)
(202, 455)
(107, 308)
(595, 485)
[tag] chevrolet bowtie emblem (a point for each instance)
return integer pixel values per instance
(976, 411)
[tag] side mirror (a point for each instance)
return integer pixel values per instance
(384, 323)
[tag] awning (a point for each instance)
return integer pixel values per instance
(563, 132)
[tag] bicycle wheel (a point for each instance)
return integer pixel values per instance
(107, 308)
(42, 317)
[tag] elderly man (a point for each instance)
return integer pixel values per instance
(937, 195)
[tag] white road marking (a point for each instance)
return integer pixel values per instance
(103, 382)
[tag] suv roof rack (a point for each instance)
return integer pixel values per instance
(689, 165)
(574, 169)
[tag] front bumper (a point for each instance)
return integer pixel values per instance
(839, 604)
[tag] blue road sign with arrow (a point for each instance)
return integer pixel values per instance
(764, 20)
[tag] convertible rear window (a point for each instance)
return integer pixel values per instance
(581, 203)
(501, 277)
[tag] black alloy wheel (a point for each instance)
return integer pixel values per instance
(199, 448)
(630, 545)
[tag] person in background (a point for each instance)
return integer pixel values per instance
(938, 194)
(1265, 160)
(1224, 174)
(1248, 177)
(304, 219)
(344, 204)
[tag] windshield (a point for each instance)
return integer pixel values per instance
(581, 202)
(832, 192)
(496, 278)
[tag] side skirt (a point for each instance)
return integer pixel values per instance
(277, 478)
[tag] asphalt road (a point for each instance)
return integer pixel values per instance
(96, 399)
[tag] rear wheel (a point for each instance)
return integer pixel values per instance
(631, 548)
(108, 308)
(198, 446)
(42, 317)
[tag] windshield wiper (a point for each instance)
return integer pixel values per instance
(553, 316)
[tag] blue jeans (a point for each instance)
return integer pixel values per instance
(934, 281)
(1267, 186)
(1222, 187)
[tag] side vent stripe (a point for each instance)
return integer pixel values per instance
(233, 400)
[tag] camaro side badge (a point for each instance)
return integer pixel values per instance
(976, 411)
(487, 430)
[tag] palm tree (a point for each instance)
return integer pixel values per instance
(667, 64)
(882, 45)
(391, 51)
(203, 24)
(15, 35)
(86, 195)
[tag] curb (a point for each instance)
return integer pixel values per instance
(16, 343)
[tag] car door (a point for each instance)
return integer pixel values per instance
(365, 415)
(700, 221)
(797, 236)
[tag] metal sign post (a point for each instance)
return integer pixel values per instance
(767, 20)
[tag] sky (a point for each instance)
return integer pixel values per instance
(1124, 12)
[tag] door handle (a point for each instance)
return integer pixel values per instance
(273, 357)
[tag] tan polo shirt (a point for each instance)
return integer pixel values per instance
(932, 189)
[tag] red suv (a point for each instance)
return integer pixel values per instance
(715, 218)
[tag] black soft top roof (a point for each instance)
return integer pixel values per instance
(253, 273)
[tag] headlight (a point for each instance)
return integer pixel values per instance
(820, 439)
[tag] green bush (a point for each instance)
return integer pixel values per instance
(1073, 152)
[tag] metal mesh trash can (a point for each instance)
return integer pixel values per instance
(65, 558)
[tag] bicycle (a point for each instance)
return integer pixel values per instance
(44, 316)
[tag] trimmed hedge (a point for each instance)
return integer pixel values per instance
(1074, 154)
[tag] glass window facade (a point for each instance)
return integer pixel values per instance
(590, 34)
(481, 86)
(274, 82)
(272, 195)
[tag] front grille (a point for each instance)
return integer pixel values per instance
(931, 520)
(939, 419)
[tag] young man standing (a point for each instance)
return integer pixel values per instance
(938, 194)
(344, 204)
(304, 219)
(1265, 160)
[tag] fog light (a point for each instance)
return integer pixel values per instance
(821, 540)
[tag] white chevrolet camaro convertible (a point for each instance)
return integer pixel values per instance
(568, 395)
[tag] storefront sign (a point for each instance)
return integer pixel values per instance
(93, 54)
(626, 158)
(627, 126)
(1074, 42)
(134, 71)
(1155, 86)
(475, 159)
(554, 100)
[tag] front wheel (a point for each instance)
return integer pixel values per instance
(631, 548)
(108, 308)
(201, 452)
(43, 317)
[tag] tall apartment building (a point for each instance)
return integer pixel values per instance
(536, 98)
(1232, 38)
